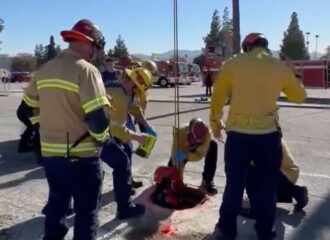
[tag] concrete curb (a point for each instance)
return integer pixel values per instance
(280, 104)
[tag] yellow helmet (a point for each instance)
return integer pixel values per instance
(150, 65)
(141, 77)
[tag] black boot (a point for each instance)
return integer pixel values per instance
(136, 184)
(209, 188)
(300, 194)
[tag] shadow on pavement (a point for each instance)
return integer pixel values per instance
(107, 198)
(38, 173)
(316, 225)
(28, 230)
(33, 229)
(309, 100)
(11, 161)
(193, 96)
(137, 228)
(283, 216)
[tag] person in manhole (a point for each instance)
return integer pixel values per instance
(191, 143)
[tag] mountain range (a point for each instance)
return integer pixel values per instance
(191, 54)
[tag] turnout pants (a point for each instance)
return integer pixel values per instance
(80, 179)
(284, 191)
(119, 157)
(240, 150)
(288, 176)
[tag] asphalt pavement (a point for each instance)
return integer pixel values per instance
(23, 188)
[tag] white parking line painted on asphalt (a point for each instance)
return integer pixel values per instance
(315, 175)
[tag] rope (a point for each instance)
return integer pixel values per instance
(176, 71)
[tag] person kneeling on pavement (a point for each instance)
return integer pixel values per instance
(117, 152)
(191, 143)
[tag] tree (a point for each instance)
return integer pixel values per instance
(293, 43)
(198, 60)
(23, 62)
(120, 48)
(1, 27)
(50, 49)
(40, 54)
(327, 53)
(45, 53)
(58, 49)
(221, 34)
(111, 53)
(226, 33)
(99, 60)
(213, 38)
(327, 50)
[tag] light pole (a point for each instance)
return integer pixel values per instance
(316, 42)
(236, 27)
(307, 43)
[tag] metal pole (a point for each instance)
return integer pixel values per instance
(236, 27)
(176, 71)
(307, 43)
(316, 39)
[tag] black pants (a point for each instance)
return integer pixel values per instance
(240, 149)
(210, 165)
(208, 90)
(30, 139)
(23, 113)
(285, 188)
(119, 157)
(81, 180)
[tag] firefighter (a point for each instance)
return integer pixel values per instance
(30, 138)
(192, 143)
(287, 189)
(255, 81)
(117, 153)
(140, 101)
(138, 107)
(73, 105)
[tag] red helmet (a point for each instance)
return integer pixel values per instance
(198, 131)
(252, 38)
(126, 60)
(85, 31)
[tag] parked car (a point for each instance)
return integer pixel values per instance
(20, 77)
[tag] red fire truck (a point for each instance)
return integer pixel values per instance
(165, 73)
(194, 72)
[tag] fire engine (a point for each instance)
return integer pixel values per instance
(194, 72)
(165, 73)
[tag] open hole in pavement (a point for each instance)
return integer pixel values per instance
(165, 195)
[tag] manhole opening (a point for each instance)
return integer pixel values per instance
(176, 197)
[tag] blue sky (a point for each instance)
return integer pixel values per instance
(147, 25)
